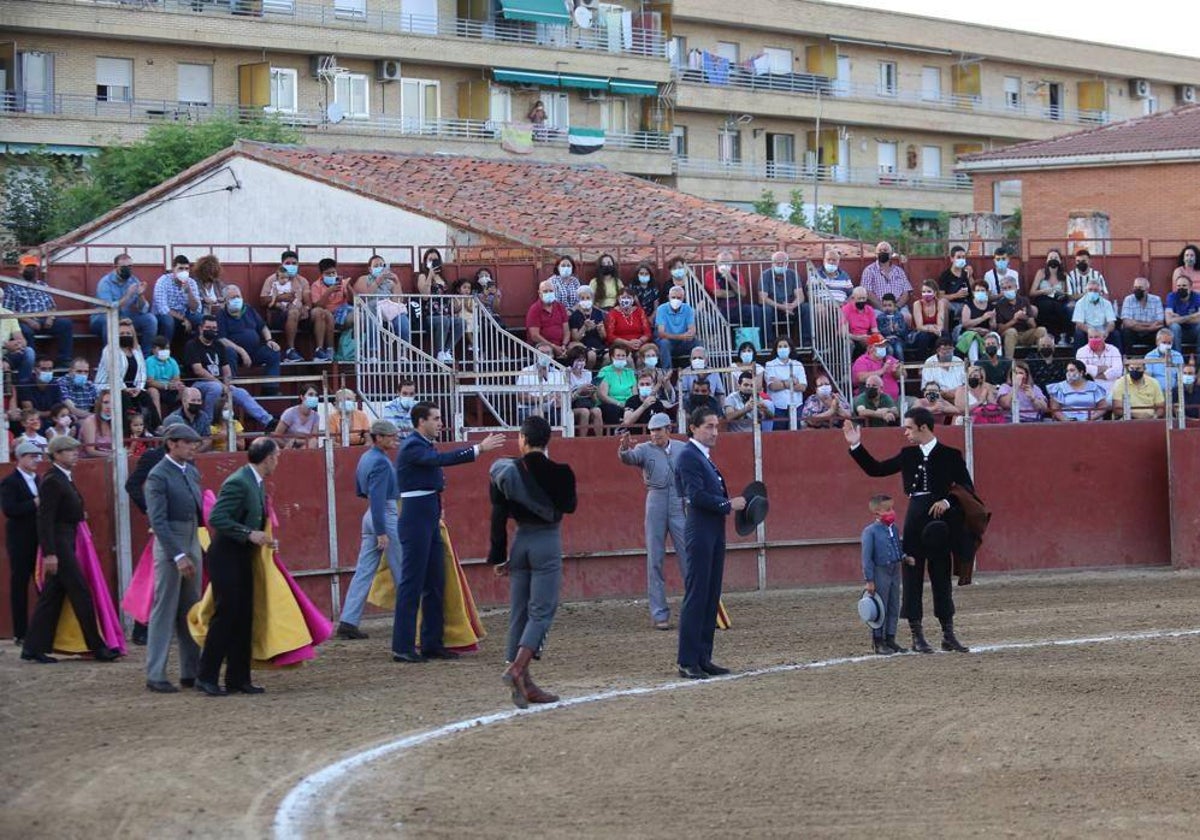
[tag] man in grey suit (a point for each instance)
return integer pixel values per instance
(173, 504)
(664, 509)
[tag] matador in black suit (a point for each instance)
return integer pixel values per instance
(933, 524)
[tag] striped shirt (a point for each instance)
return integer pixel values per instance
(1077, 283)
(1148, 310)
(878, 281)
(169, 296)
(20, 299)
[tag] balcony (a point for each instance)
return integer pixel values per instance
(795, 173)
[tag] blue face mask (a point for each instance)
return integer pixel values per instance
(645, 391)
(45, 376)
(1002, 265)
(1094, 297)
(311, 402)
(376, 271)
(235, 305)
(291, 270)
(679, 273)
(783, 352)
(329, 281)
(79, 378)
(643, 278)
(779, 269)
(407, 403)
(1010, 294)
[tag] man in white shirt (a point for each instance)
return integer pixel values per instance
(1094, 311)
(999, 272)
(945, 369)
(545, 383)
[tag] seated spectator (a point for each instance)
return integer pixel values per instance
(859, 319)
(886, 275)
(1016, 319)
(825, 409)
(446, 329)
(380, 287)
(585, 403)
(1044, 367)
(191, 413)
(979, 399)
(399, 410)
(746, 362)
(163, 381)
(1191, 394)
(1000, 272)
(95, 432)
(831, 284)
(331, 308)
(786, 381)
(955, 284)
(430, 276)
(1164, 361)
(31, 430)
(176, 300)
(874, 407)
(647, 362)
(40, 392)
(463, 307)
(946, 370)
(345, 412)
(1093, 312)
(1142, 315)
(627, 325)
(781, 295)
(587, 323)
(122, 287)
(1188, 265)
(1102, 361)
(135, 432)
(206, 367)
(18, 355)
(675, 325)
(1077, 398)
(617, 384)
(1183, 313)
(1049, 294)
(222, 423)
(248, 339)
(300, 425)
(62, 422)
(702, 397)
(929, 319)
(731, 294)
(565, 284)
(75, 389)
(1032, 405)
(544, 384)
(994, 366)
(744, 406)
(21, 300)
(645, 289)
(977, 320)
(680, 271)
(548, 320)
(131, 366)
(1145, 395)
(1083, 274)
(207, 274)
(876, 361)
(644, 404)
(489, 295)
(286, 298)
(606, 283)
(698, 369)
(932, 399)
(892, 327)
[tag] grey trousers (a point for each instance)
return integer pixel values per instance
(664, 514)
(535, 578)
(368, 563)
(173, 597)
(887, 586)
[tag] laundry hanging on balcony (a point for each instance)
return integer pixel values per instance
(517, 138)
(584, 141)
(716, 69)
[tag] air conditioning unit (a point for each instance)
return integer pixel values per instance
(594, 96)
(387, 70)
(1139, 88)
(319, 65)
(1186, 94)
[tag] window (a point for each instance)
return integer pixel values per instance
(419, 16)
(729, 145)
(728, 50)
(352, 9)
(500, 105)
(352, 92)
(679, 141)
(114, 79)
(614, 116)
(283, 90)
(931, 161)
(558, 110)
(1149, 105)
(35, 82)
(420, 104)
(931, 83)
(887, 78)
(1054, 96)
(841, 87)
(781, 155)
(195, 84)
(779, 60)
(887, 157)
(1012, 93)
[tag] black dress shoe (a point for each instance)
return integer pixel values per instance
(713, 670)
(953, 645)
(39, 658)
(188, 682)
(349, 632)
(107, 655)
(245, 688)
(211, 689)
(440, 653)
(407, 656)
(140, 632)
(881, 647)
(692, 672)
(161, 687)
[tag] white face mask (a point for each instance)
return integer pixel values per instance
(162, 355)
(723, 268)
(651, 361)
(824, 390)
(564, 271)
(585, 305)
(676, 304)
(880, 352)
(747, 357)
(227, 414)
(698, 364)
(183, 275)
(348, 405)
(831, 268)
(547, 298)
(1165, 349)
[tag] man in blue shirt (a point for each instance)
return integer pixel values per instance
(1183, 312)
(422, 571)
(782, 297)
(675, 328)
(1167, 373)
(122, 287)
(248, 338)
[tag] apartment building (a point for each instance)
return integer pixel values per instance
(853, 107)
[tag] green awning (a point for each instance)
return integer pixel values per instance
(569, 80)
(536, 11)
(631, 87)
(930, 215)
(862, 215)
(525, 77)
(52, 149)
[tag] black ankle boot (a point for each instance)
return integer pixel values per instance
(890, 641)
(880, 647)
(949, 642)
(919, 644)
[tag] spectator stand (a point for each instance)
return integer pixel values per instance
(1119, 260)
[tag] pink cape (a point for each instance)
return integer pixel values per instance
(139, 597)
(107, 620)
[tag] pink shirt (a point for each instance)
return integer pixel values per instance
(886, 368)
(860, 323)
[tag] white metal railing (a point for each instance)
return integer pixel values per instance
(713, 330)
(831, 345)
(801, 173)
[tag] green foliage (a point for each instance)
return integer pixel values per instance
(767, 205)
(29, 196)
(796, 214)
(1012, 228)
(917, 237)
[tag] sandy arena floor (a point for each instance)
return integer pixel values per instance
(1088, 740)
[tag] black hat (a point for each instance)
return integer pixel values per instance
(935, 538)
(755, 511)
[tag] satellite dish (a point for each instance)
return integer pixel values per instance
(583, 17)
(335, 112)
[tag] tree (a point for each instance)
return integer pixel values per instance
(767, 205)
(29, 192)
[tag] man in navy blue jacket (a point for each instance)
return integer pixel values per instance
(706, 503)
(422, 573)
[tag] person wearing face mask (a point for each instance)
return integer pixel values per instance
(1016, 318)
(678, 273)
(859, 319)
(725, 285)
(1191, 394)
(1183, 313)
(587, 325)
(1164, 361)
(617, 384)
(62, 422)
(331, 308)
(176, 299)
(1000, 271)
(675, 326)
(248, 339)
(886, 275)
(399, 410)
(75, 389)
(131, 367)
(286, 297)
(873, 407)
(489, 294)
(746, 363)
(1144, 394)
(929, 318)
(545, 385)
(829, 283)
(207, 273)
(977, 320)
(1082, 274)
(584, 402)
(644, 403)
(938, 406)
(345, 413)
(994, 366)
(646, 362)
(1142, 315)
(223, 420)
(564, 283)
(606, 282)
(122, 287)
(206, 365)
(1049, 294)
(1077, 398)
(381, 288)
(95, 432)
(299, 426)
(782, 298)
(1044, 367)
(163, 380)
(191, 412)
(698, 369)
(1093, 312)
(701, 397)
(945, 370)
(825, 409)
(547, 319)
(882, 556)
(979, 399)
(1188, 265)
(626, 324)
(955, 282)
(645, 289)
(745, 406)
(40, 392)
(876, 361)
(1032, 405)
(22, 299)
(786, 381)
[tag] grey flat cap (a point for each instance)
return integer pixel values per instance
(384, 427)
(27, 448)
(659, 421)
(181, 431)
(63, 442)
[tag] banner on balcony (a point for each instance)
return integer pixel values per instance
(584, 141)
(517, 138)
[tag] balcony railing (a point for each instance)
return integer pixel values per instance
(150, 111)
(799, 173)
(807, 84)
(359, 14)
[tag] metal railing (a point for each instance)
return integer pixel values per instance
(830, 344)
(713, 330)
(802, 173)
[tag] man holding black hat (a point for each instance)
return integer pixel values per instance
(934, 520)
(19, 499)
(664, 509)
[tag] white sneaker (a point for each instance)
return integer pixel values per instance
(446, 357)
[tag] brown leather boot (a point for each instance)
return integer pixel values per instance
(514, 677)
(535, 694)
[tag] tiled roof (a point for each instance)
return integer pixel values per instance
(1177, 130)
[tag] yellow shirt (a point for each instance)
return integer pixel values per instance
(8, 325)
(219, 435)
(1144, 397)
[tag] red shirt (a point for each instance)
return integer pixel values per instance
(552, 322)
(732, 284)
(617, 326)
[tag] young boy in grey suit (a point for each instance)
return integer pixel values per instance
(881, 558)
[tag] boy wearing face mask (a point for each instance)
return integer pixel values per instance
(163, 379)
(1082, 274)
(882, 554)
(1000, 272)
(330, 308)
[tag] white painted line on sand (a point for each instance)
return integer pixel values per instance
(297, 810)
